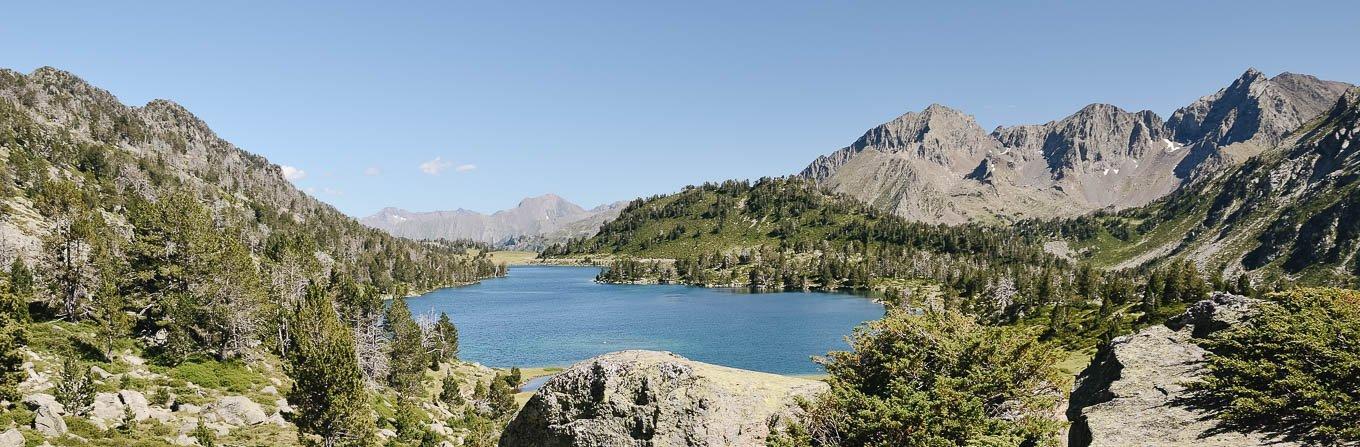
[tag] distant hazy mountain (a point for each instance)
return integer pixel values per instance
(536, 219)
(938, 165)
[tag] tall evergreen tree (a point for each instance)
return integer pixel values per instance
(444, 340)
(408, 357)
(13, 336)
(328, 391)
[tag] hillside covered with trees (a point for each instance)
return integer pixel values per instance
(146, 257)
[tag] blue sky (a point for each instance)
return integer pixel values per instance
(442, 105)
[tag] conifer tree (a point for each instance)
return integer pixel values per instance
(501, 397)
(328, 391)
(408, 357)
(112, 322)
(13, 336)
(444, 340)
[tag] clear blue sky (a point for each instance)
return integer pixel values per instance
(603, 101)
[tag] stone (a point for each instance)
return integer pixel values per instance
(100, 372)
(282, 405)
(12, 438)
(136, 401)
(40, 400)
(236, 411)
(1132, 394)
(107, 410)
(163, 415)
(269, 390)
(620, 398)
(48, 421)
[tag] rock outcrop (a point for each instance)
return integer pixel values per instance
(47, 414)
(656, 399)
(235, 411)
(1134, 393)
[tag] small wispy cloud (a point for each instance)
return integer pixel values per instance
(465, 168)
(293, 174)
(373, 171)
(435, 166)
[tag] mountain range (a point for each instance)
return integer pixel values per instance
(938, 165)
(533, 222)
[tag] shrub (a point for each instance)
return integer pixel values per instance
(934, 380)
(1293, 370)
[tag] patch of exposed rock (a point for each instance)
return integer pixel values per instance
(656, 399)
(1132, 394)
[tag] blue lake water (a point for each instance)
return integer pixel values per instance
(556, 316)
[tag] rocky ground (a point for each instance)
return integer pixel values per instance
(139, 402)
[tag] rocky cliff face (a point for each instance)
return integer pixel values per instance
(1294, 209)
(1134, 393)
(542, 218)
(939, 166)
(1254, 109)
(655, 399)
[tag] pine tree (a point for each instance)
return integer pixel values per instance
(13, 336)
(328, 391)
(450, 393)
(501, 397)
(75, 386)
(113, 323)
(408, 357)
(445, 341)
(1243, 286)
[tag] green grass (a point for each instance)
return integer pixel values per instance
(231, 376)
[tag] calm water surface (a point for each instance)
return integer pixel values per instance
(556, 316)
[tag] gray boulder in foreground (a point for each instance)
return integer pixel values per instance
(656, 399)
(1133, 395)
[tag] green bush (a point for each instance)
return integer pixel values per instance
(941, 379)
(1293, 370)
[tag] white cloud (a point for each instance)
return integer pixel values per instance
(436, 166)
(373, 171)
(292, 173)
(465, 168)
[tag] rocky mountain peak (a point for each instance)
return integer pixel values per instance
(938, 134)
(1254, 108)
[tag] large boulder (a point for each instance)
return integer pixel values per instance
(656, 399)
(47, 413)
(235, 411)
(12, 438)
(136, 401)
(107, 410)
(1134, 393)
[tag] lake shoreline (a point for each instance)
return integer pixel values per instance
(550, 317)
